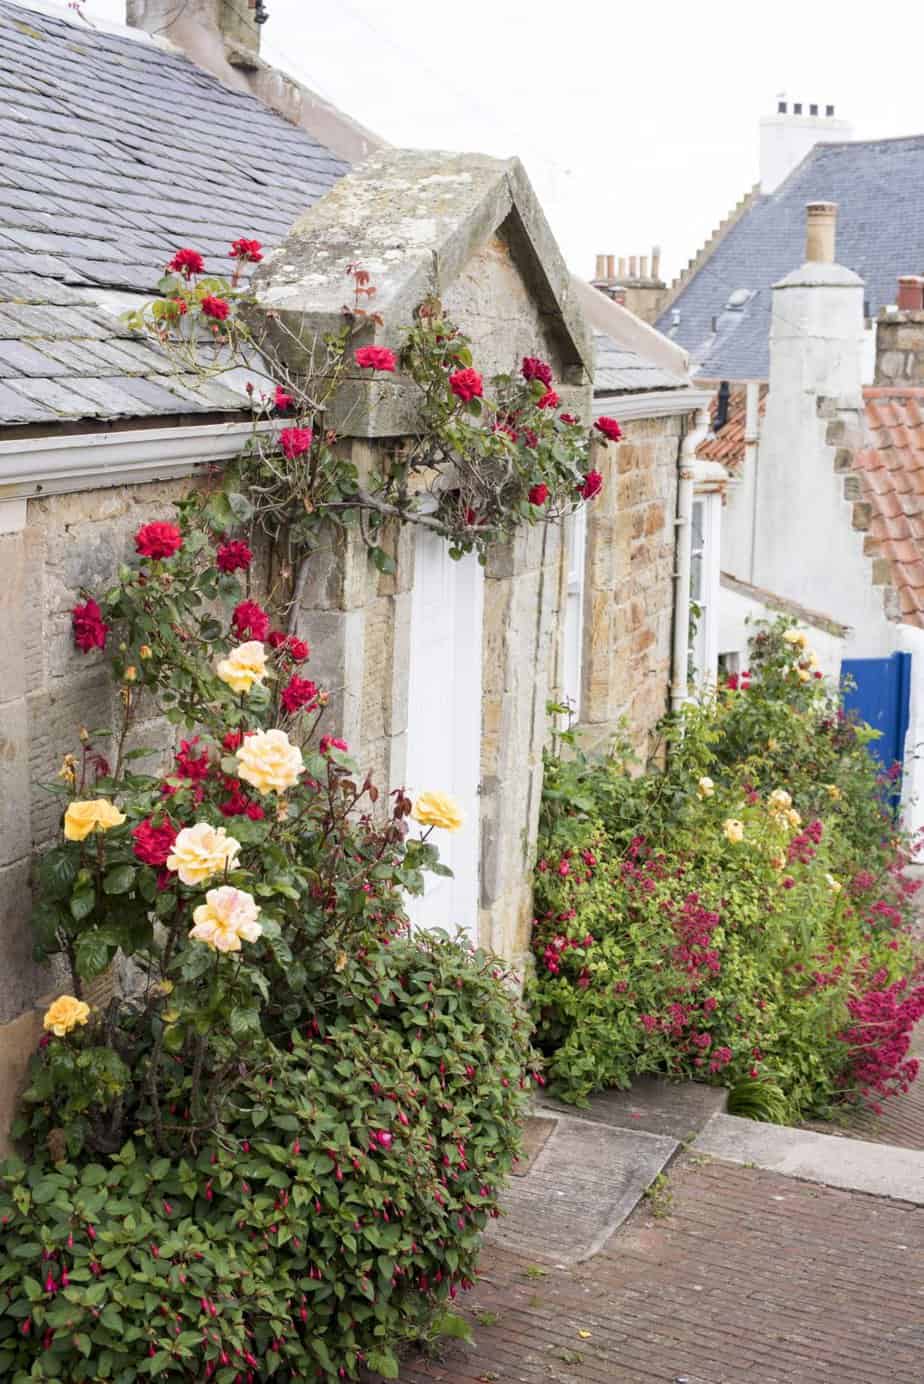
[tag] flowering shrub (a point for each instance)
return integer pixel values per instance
(742, 917)
(273, 1153)
(487, 456)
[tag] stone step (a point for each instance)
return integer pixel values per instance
(652, 1105)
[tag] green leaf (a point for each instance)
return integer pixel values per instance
(449, 1324)
(82, 904)
(57, 872)
(240, 506)
(93, 955)
(119, 880)
(384, 1363)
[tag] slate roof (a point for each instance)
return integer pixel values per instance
(879, 188)
(619, 370)
(727, 445)
(115, 152)
(891, 471)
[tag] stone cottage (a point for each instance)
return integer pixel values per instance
(100, 433)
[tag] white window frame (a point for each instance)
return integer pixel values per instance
(705, 647)
(576, 558)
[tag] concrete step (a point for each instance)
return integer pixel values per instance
(652, 1105)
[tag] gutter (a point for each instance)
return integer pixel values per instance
(31, 468)
(686, 464)
(652, 403)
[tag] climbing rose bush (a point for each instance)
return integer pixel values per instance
(742, 916)
(273, 1153)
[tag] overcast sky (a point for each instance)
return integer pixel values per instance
(637, 123)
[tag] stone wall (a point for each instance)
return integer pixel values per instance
(629, 591)
(899, 347)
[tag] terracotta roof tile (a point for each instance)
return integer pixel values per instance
(890, 467)
(727, 446)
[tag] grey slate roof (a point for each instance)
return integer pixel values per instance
(622, 371)
(879, 188)
(114, 153)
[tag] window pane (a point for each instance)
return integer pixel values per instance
(696, 577)
(698, 526)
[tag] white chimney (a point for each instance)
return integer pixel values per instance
(787, 136)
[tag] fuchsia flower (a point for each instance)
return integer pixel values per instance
(187, 263)
(466, 385)
(375, 358)
(295, 442)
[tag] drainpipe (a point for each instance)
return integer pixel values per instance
(751, 425)
(681, 654)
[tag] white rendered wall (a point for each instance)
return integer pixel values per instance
(786, 139)
(738, 616)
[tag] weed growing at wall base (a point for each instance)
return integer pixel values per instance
(741, 917)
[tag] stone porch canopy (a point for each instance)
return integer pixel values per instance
(417, 222)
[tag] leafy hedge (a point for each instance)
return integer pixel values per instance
(742, 916)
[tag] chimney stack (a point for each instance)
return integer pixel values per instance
(900, 336)
(204, 29)
(910, 293)
(820, 230)
(656, 262)
(600, 272)
(788, 135)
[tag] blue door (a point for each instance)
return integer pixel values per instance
(881, 696)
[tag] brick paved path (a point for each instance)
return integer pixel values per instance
(751, 1278)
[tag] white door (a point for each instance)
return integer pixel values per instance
(704, 586)
(444, 722)
(576, 543)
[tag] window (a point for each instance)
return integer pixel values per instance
(576, 539)
(704, 588)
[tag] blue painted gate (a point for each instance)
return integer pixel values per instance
(881, 695)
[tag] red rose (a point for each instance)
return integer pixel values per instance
(190, 765)
(291, 647)
(568, 418)
(215, 307)
(233, 740)
(539, 494)
(375, 358)
(158, 540)
(243, 249)
(466, 385)
(535, 369)
(90, 629)
(295, 442)
(549, 400)
(298, 694)
(593, 484)
(529, 438)
(610, 428)
(233, 556)
(250, 621)
(331, 742)
(187, 263)
(153, 844)
(239, 805)
(283, 401)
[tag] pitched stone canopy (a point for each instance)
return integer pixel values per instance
(426, 224)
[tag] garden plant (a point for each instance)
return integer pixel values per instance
(740, 914)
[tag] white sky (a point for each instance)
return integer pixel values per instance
(636, 125)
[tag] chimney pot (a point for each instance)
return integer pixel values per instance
(781, 107)
(813, 110)
(643, 267)
(633, 267)
(611, 266)
(656, 262)
(601, 267)
(797, 107)
(820, 228)
(622, 266)
(829, 110)
(910, 293)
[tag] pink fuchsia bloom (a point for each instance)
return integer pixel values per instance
(610, 428)
(375, 358)
(233, 556)
(548, 400)
(215, 307)
(466, 385)
(90, 629)
(250, 621)
(295, 442)
(158, 540)
(299, 694)
(593, 484)
(539, 494)
(535, 369)
(383, 1138)
(187, 263)
(243, 249)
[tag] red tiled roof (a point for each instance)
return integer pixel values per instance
(891, 471)
(727, 446)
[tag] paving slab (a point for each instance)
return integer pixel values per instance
(579, 1188)
(677, 1109)
(853, 1164)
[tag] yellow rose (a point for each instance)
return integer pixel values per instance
(438, 810)
(803, 674)
(833, 792)
(705, 788)
(832, 884)
(798, 637)
(779, 800)
(244, 666)
(66, 1013)
(734, 830)
(99, 814)
(228, 917)
(68, 770)
(793, 818)
(202, 851)
(269, 762)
